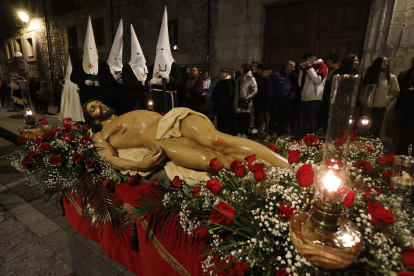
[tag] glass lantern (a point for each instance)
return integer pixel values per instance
(366, 100)
(402, 177)
(322, 235)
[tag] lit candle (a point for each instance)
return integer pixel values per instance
(365, 122)
(150, 103)
(331, 182)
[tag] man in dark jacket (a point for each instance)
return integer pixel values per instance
(405, 106)
(284, 86)
(262, 99)
(223, 99)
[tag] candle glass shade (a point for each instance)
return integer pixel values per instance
(402, 177)
(341, 123)
(366, 100)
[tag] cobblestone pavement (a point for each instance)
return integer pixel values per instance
(35, 239)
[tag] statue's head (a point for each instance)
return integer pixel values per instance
(95, 112)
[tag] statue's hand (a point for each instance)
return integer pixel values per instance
(154, 160)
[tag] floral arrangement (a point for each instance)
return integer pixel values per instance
(241, 216)
(64, 161)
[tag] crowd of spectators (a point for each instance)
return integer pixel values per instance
(295, 100)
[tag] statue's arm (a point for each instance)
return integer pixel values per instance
(111, 157)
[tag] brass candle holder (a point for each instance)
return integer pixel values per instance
(32, 130)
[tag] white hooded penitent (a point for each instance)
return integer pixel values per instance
(138, 62)
(90, 53)
(163, 58)
(115, 56)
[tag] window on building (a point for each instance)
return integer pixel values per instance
(99, 30)
(18, 46)
(73, 43)
(29, 43)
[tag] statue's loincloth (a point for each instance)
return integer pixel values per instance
(168, 127)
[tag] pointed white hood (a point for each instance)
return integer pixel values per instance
(115, 56)
(68, 70)
(90, 53)
(163, 58)
(138, 62)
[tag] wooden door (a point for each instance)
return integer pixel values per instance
(294, 28)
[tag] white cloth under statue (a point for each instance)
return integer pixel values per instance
(70, 105)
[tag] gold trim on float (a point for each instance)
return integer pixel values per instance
(161, 250)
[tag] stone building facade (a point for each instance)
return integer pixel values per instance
(236, 33)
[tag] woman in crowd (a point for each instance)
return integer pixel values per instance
(245, 91)
(349, 65)
(387, 89)
(193, 91)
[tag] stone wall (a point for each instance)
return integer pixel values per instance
(390, 33)
(238, 33)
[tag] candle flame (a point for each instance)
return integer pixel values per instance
(150, 102)
(29, 112)
(365, 122)
(331, 182)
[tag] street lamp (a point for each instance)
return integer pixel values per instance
(24, 17)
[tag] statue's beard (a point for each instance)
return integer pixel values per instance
(105, 114)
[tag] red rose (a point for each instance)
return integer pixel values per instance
(365, 166)
(77, 158)
(49, 133)
(334, 163)
(67, 120)
(283, 272)
(67, 127)
(162, 113)
(33, 154)
(250, 159)
(338, 143)
(201, 234)
(89, 162)
(387, 176)
(405, 273)
(85, 140)
(217, 217)
(273, 147)
(55, 159)
(45, 147)
(310, 140)
(56, 130)
(21, 140)
(238, 168)
(216, 165)
(85, 127)
(154, 183)
(196, 192)
(76, 127)
(380, 215)
(43, 121)
(36, 142)
(214, 186)
(177, 182)
(408, 258)
(260, 175)
(132, 182)
(305, 175)
(345, 132)
(238, 269)
(386, 159)
(27, 163)
(66, 138)
(286, 211)
(294, 156)
(109, 185)
(349, 199)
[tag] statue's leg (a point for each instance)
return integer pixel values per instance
(198, 129)
(190, 154)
